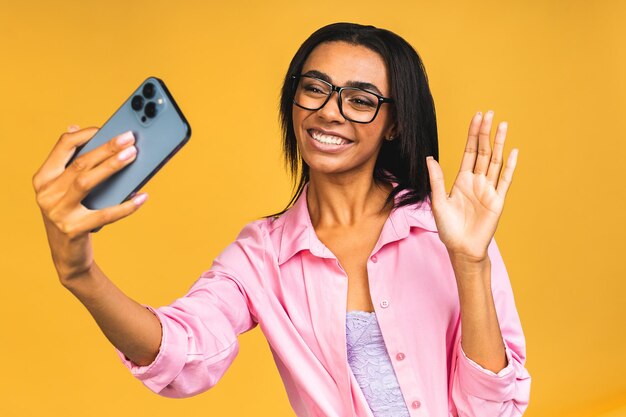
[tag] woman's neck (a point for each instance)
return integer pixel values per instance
(344, 201)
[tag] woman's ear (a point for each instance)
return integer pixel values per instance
(391, 133)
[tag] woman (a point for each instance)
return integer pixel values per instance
(379, 293)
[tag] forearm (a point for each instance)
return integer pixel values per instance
(481, 337)
(128, 325)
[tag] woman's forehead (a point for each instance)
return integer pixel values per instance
(343, 62)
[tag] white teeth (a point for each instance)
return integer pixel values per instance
(328, 139)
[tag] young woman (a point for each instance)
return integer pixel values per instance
(379, 293)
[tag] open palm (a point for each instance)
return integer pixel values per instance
(467, 217)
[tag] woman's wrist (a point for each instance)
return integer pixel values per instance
(87, 284)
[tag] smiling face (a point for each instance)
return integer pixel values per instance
(328, 142)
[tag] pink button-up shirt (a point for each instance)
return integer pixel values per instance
(279, 275)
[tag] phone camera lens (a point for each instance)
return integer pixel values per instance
(137, 103)
(149, 90)
(151, 109)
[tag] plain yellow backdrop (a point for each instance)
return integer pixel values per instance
(555, 70)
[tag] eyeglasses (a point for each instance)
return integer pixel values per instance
(355, 104)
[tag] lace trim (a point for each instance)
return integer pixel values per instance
(371, 365)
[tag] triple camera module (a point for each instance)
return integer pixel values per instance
(145, 102)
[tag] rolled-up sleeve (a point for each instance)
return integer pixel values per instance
(200, 329)
(476, 391)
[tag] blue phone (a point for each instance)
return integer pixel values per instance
(160, 130)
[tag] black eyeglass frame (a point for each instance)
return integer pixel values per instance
(333, 88)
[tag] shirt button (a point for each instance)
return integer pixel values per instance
(384, 304)
(374, 259)
(400, 356)
(416, 404)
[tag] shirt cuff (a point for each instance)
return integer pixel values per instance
(483, 383)
(169, 361)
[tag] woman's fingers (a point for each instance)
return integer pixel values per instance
(495, 164)
(437, 183)
(61, 153)
(484, 145)
(507, 174)
(471, 148)
(85, 181)
(94, 157)
(60, 188)
(82, 165)
(99, 218)
(95, 219)
(479, 157)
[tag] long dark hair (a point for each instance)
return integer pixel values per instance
(402, 160)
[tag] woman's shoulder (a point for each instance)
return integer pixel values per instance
(265, 225)
(280, 235)
(264, 232)
(258, 229)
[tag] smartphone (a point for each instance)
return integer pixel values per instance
(160, 130)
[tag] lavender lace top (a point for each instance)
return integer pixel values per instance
(371, 365)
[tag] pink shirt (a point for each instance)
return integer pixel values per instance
(279, 275)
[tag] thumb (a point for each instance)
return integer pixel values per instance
(437, 184)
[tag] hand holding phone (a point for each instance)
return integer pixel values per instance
(160, 130)
(59, 192)
(79, 164)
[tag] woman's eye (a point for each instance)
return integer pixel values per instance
(361, 102)
(314, 89)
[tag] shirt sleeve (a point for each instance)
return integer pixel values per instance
(200, 329)
(476, 391)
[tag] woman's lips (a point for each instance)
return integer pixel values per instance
(327, 147)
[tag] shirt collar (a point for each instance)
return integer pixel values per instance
(298, 233)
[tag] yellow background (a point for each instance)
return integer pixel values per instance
(555, 70)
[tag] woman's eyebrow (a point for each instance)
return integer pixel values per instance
(318, 74)
(364, 86)
(358, 84)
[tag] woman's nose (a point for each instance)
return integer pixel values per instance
(331, 111)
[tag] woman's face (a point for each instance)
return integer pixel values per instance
(342, 63)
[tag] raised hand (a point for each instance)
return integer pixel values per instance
(59, 191)
(467, 217)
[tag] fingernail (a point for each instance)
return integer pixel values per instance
(73, 128)
(479, 114)
(429, 157)
(139, 200)
(504, 125)
(125, 138)
(489, 113)
(127, 153)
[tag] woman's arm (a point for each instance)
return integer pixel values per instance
(488, 377)
(200, 329)
(477, 388)
(466, 221)
(59, 191)
(128, 325)
(480, 329)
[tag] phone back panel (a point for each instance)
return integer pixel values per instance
(157, 139)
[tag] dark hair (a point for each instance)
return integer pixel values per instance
(402, 160)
